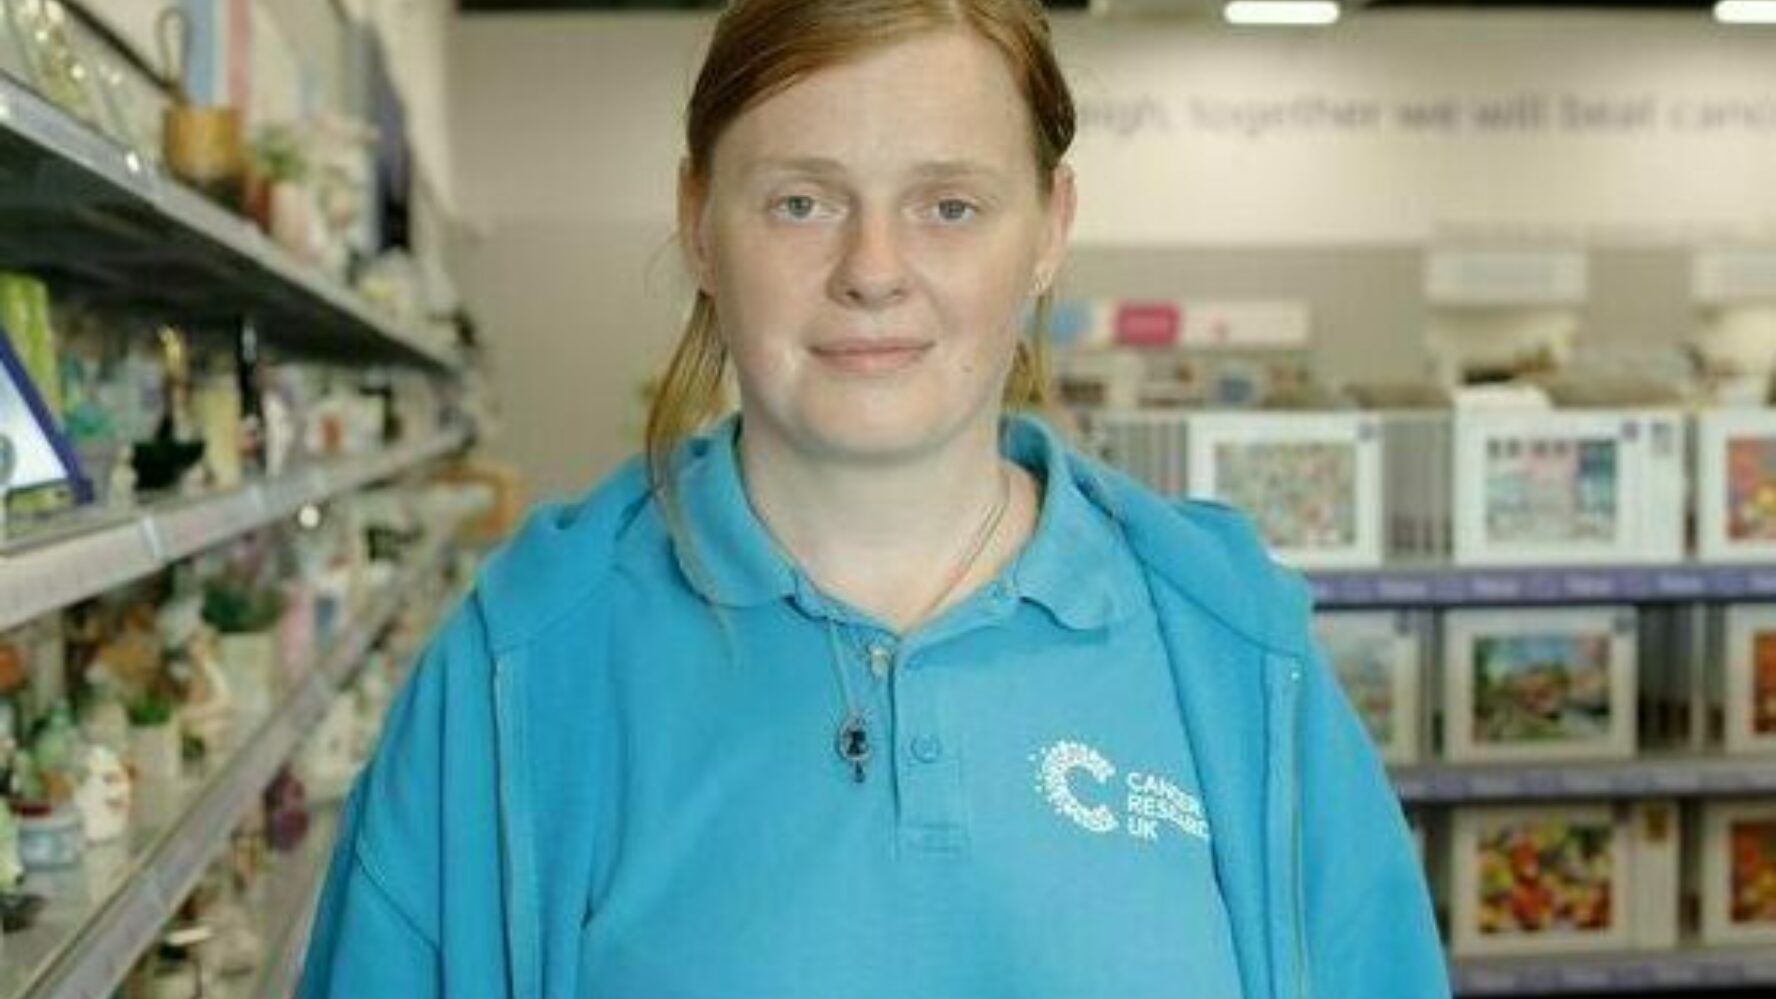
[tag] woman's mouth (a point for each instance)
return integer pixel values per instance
(871, 357)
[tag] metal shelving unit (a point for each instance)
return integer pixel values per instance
(1678, 972)
(84, 559)
(1689, 970)
(1642, 777)
(105, 914)
(79, 209)
(91, 217)
(1454, 586)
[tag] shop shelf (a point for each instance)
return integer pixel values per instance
(1645, 777)
(104, 913)
(1458, 587)
(285, 902)
(99, 551)
(1681, 972)
(82, 211)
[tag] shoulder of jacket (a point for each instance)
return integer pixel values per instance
(559, 557)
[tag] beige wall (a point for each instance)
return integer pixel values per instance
(567, 131)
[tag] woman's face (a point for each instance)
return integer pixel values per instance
(871, 237)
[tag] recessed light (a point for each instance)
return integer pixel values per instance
(1281, 12)
(1745, 11)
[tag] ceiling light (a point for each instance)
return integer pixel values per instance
(1269, 12)
(1745, 11)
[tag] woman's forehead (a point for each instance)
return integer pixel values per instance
(943, 106)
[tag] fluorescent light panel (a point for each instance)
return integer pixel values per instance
(1745, 11)
(1269, 12)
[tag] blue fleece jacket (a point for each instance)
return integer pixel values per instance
(465, 852)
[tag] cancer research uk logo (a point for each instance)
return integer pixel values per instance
(1071, 775)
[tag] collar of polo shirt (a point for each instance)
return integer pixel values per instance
(1074, 565)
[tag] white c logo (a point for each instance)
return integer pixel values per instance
(1058, 763)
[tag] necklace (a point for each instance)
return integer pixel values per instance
(852, 740)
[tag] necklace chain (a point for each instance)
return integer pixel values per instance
(983, 534)
(852, 739)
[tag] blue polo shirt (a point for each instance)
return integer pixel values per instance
(1030, 825)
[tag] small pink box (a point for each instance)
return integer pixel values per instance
(1148, 324)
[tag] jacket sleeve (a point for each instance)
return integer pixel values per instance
(382, 926)
(364, 942)
(1370, 927)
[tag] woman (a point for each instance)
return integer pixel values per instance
(873, 689)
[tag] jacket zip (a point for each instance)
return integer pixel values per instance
(1302, 990)
(515, 864)
(1283, 683)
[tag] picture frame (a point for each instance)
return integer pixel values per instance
(1377, 656)
(1747, 691)
(1571, 487)
(1735, 475)
(1540, 683)
(37, 452)
(1738, 873)
(1310, 481)
(1539, 879)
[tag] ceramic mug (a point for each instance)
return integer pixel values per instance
(206, 148)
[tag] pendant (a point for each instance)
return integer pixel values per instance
(853, 745)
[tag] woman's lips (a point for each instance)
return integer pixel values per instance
(871, 357)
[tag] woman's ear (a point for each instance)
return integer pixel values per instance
(1057, 225)
(693, 196)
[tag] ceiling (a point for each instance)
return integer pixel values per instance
(543, 6)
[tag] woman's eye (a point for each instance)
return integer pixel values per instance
(797, 207)
(956, 210)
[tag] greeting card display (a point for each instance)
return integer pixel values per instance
(1310, 481)
(1736, 485)
(1375, 655)
(1738, 876)
(1556, 878)
(1746, 692)
(1539, 684)
(1567, 487)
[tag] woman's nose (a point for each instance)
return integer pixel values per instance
(872, 272)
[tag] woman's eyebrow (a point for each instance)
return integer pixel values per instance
(818, 165)
(826, 167)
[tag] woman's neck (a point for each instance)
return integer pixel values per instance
(888, 536)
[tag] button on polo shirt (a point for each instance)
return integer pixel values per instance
(1030, 825)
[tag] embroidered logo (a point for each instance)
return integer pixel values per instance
(1149, 799)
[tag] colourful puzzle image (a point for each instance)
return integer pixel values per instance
(1534, 687)
(1763, 683)
(1751, 489)
(1552, 489)
(1302, 495)
(1545, 876)
(1753, 851)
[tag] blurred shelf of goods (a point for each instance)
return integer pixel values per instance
(241, 413)
(1546, 578)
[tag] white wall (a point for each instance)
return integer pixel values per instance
(566, 144)
(567, 131)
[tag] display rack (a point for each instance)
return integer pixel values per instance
(1459, 587)
(79, 208)
(1645, 777)
(1677, 972)
(42, 573)
(82, 947)
(1668, 775)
